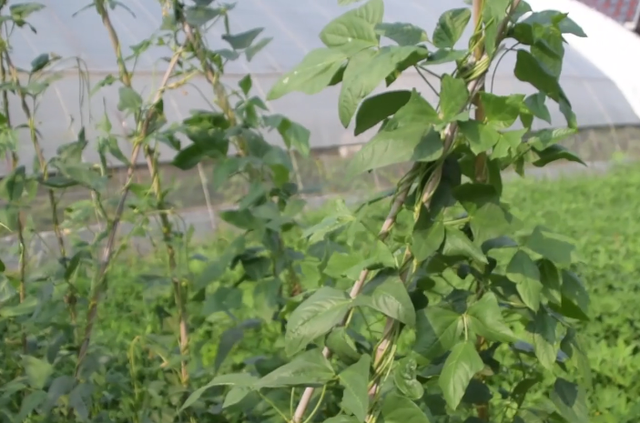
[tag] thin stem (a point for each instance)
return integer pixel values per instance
(152, 164)
(101, 275)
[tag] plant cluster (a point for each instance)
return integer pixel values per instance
(430, 302)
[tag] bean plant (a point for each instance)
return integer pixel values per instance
(479, 307)
(430, 302)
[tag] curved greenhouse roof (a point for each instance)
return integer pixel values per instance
(599, 79)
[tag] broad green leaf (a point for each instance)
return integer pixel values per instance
(342, 346)
(551, 246)
(481, 137)
(554, 153)
(130, 100)
(529, 69)
(26, 307)
(38, 371)
(315, 317)
(453, 97)
(427, 237)
(40, 62)
(458, 244)
(228, 340)
(536, 104)
(312, 75)
(437, 331)
(242, 40)
(461, 365)
(550, 278)
(575, 298)
(235, 395)
(486, 320)
(446, 56)
(375, 109)
(502, 110)
(60, 386)
(29, 404)
(548, 137)
(543, 329)
(404, 378)
(199, 15)
(524, 272)
(399, 409)
(392, 299)
(405, 34)
(558, 19)
(233, 379)
(407, 136)
(354, 30)
(450, 27)
(254, 49)
(308, 369)
(355, 379)
(340, 219)
(570, 401)
(365, 71)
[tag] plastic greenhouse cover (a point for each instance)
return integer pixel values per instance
(294, 25)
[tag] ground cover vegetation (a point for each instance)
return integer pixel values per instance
(433, 302)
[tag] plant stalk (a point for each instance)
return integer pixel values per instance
(101, 275)
(152, 165)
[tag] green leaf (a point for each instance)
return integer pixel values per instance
(524, 272)
(60, 386)
(453, 97)
(14, 184)
(392, 299)
(254, 49)
(233, 379)
(555, 153)
(242, 40)
(365, 71)
(503, 110)
(39, 62)
(405, 34)
(355, 379)
(450, 27)
(529, 69)
(550, 278)
(294, 135)
(481, 137)
(199, 15)
(486, 320)
(342, 418)
(340, 219)
(543, 329)
(29, 404)
(550, 246)
(375, 109)
(315, 317)
(461, 365)
(428, 235)
(312, 75)
(130, 100)
(404, 378)
(354, 30)
(399, 409)
(536, 104)
(408, 136)
(575, 298)
(245, 84)
(38, 371)
(458, 244)
(570, 401)
(437, 331)
(342, 346)
(308, 369)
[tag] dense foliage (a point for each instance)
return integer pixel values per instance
(434, 302)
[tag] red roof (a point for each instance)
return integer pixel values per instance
(622, 11)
